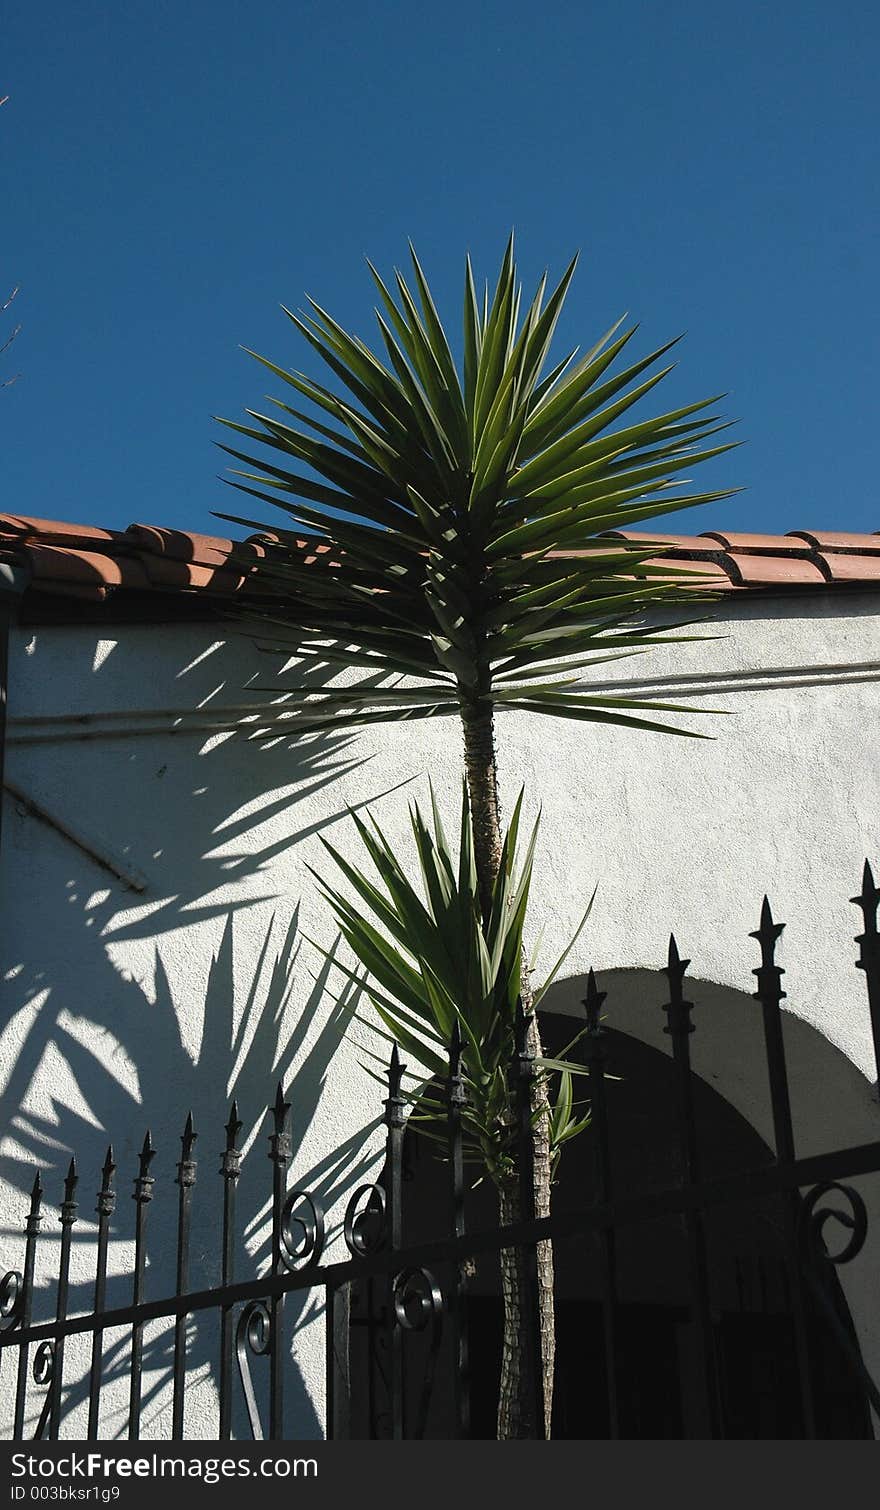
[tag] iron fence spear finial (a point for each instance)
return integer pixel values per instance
(280, 1108)
(676, 966)
(768, 973)
(230, 1159)
(36, 1197)
(234, 1125)
(395, 1071)
(592, 1003)
(106, 1194)
(144, 1181)
(455, 1048)
(869, 954)
(395, 1102)
(186, 1168)
(768, 933)
(678, 1011)
(108, 1169)
(68, 1210)
(280, 1147)
(868, 899)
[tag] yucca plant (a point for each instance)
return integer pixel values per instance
(429, 962)
(436, 970)
(448, 532)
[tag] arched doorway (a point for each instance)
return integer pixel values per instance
(657, 1361)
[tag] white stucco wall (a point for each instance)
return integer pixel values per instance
(124, 1007)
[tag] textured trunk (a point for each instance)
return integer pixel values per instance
(516, 1414)
(479, 761)
(516, 1399)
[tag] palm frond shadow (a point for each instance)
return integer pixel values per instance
(242, 1055)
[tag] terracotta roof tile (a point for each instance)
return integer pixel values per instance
(180, 545)
(84, 562)
(763, 545)
(163, 572)
(838, 540)
(707, 572)
(840, 567)
(605, 548)
(675, 542)
(773, 571)
(23, 527)
(712, 573)
(87, 568)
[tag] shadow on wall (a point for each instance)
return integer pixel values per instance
(125, 1009)
(833, 1105)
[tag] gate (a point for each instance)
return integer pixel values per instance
(409, 1320)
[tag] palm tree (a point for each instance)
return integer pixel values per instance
(449, 529)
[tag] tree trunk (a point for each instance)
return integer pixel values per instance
(482, 782)
(516, 1415)
(515, 1403)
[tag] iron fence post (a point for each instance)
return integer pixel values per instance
(595, 1053)
(280, 1152)
(186, 1179)
(32, 1231)
(679, 1027)
(770, 994)
(68, 1217)
(230, 1169)
(143, 1194)
(395, 1122)
(105, 1209)
(456, 1100)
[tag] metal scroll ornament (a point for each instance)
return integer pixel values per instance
(301, 1244)
(43, 1372)
(418, 1300)
(366, 1220)
(816, 1217)
(10, 1300)
(302, 1231)
(418, 1305)
(44, 1363)
(253, 1334)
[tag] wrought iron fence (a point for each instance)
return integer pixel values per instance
(424, 1287)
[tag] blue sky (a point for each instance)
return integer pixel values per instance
(173, 172)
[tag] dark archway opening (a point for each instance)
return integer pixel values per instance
(658, 1370)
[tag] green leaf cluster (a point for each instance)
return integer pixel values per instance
(429, 964)
(467, 517)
